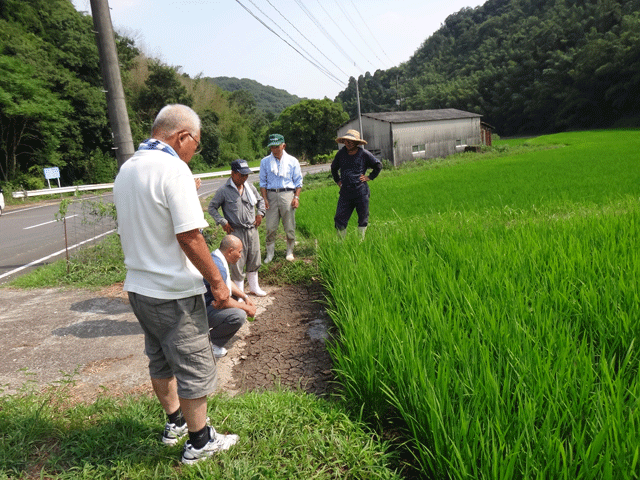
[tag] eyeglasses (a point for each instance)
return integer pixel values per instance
(198, 149)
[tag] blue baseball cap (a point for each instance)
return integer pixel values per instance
(241, 166)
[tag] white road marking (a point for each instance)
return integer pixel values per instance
(46, 223)
(35, 262)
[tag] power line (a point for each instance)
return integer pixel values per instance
(325, 70)
(354, 25)
(345, 35)
(326, 34)
(303, 36)
(330, 76)
(374, 37)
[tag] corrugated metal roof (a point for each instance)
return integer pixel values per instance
(421, 115)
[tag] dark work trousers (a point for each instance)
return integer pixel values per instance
(223, 324)
(349, 199)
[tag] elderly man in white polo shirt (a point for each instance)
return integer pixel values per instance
(166, 256)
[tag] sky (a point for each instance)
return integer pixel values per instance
(309, 48)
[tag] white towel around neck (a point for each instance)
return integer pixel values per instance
(219, 254)
(252, 198)
(283, 163)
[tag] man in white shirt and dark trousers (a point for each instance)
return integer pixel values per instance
(280, 185)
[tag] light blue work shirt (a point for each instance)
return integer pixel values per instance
(291, 175)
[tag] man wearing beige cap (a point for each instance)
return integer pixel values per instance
(352, 164)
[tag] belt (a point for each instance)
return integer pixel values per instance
(280, 189)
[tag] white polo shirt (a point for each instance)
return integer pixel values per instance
(155, 197)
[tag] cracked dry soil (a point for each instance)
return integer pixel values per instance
(286, 344)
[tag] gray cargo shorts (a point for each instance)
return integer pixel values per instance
(176, 337)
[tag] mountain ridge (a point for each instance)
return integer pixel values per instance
(268, 99)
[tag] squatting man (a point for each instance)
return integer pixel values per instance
(226, 318)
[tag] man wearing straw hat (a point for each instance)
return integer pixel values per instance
(352, 164)
(280, 185)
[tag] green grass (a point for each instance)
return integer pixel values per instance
(94, 267)
(493, 309)
(282, 435)
(102, 265)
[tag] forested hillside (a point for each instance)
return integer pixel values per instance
(53, 108)
(268, 99)
(528, 66)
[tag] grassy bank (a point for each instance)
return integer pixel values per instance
(282, 435)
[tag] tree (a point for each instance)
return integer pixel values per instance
(162, 87)
(32, 119)
(310, 127)
(210, 138)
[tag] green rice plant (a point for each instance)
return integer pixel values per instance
(493, 309)
(585, 168)
(491, 342)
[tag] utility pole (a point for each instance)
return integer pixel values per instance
(116, 105)
(359, 115)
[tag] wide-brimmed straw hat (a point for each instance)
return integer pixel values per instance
(352, 135)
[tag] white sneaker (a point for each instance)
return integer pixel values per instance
(218, 352)
(172, 433)
(217, 443)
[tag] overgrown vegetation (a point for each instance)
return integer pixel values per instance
(527, 66)
(267, 99)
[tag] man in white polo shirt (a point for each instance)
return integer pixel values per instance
(159, 222)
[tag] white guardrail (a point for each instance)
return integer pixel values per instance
(104, 186)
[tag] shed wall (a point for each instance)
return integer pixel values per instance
(395, 141)
(433, 139)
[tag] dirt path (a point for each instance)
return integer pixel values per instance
(93, 340)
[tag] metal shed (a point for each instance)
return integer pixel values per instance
(403, 136)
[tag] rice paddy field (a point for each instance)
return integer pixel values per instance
(493, 309)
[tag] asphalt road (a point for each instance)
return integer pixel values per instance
(31, 236)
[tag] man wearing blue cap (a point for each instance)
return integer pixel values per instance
(243, 210)
(280, 185)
